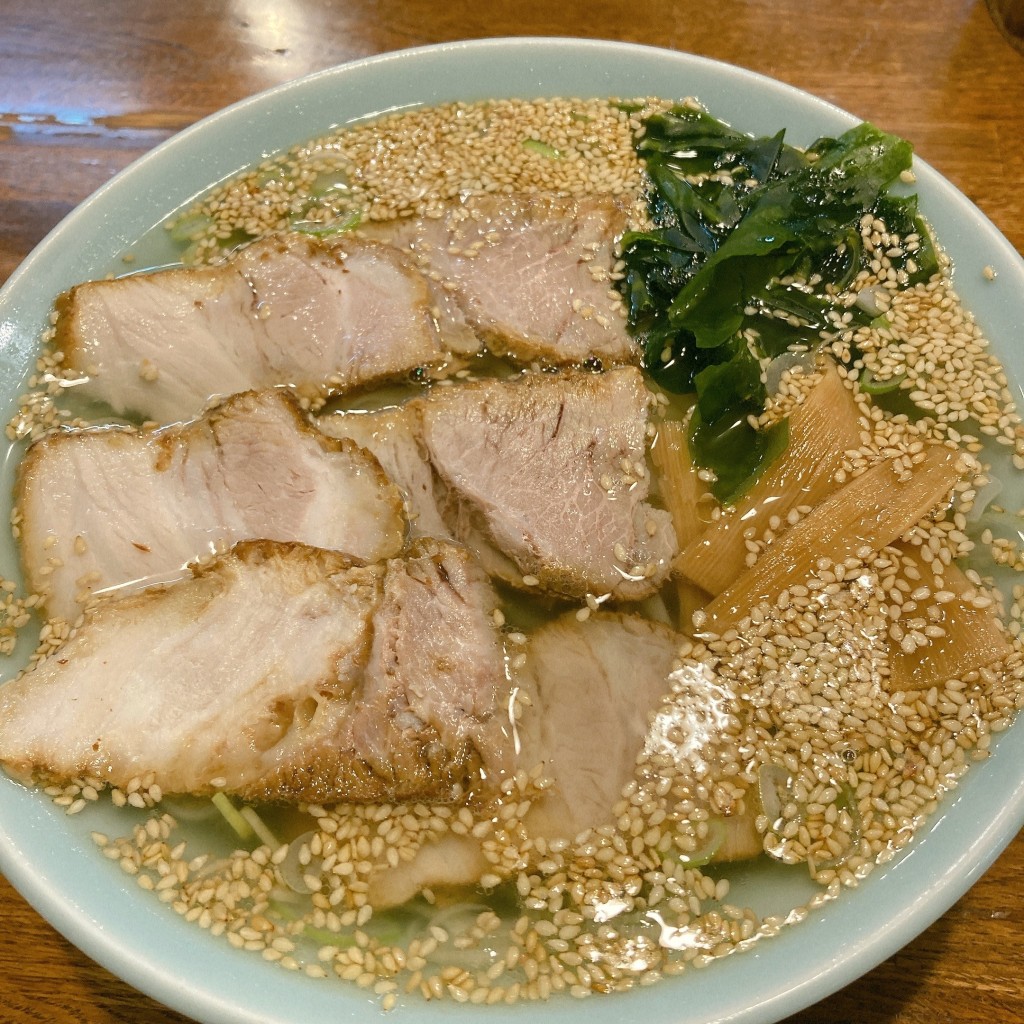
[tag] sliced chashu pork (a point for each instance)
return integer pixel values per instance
(593, 687)
(287, 310)
(279, 672)
(109, 508)
(596, 690)
(541, 476)
(530, 272)
(545, 479)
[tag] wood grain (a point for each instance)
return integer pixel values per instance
(87, 87)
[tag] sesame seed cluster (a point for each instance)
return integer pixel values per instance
(411, 163)
(15, 614)
(925, 340)
(40, 408)
(838, 767)
(851, 766)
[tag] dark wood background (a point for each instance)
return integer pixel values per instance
(88, 85)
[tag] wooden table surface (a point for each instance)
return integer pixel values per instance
(87, 87)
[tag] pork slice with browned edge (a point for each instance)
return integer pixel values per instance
(545, 479)
(531, 272)
(291, 310)
(278, 672)
(106, 508)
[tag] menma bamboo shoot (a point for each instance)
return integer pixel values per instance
(972, 635)
(822, 429)
(866, 514)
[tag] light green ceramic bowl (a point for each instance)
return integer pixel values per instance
(51, 859)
